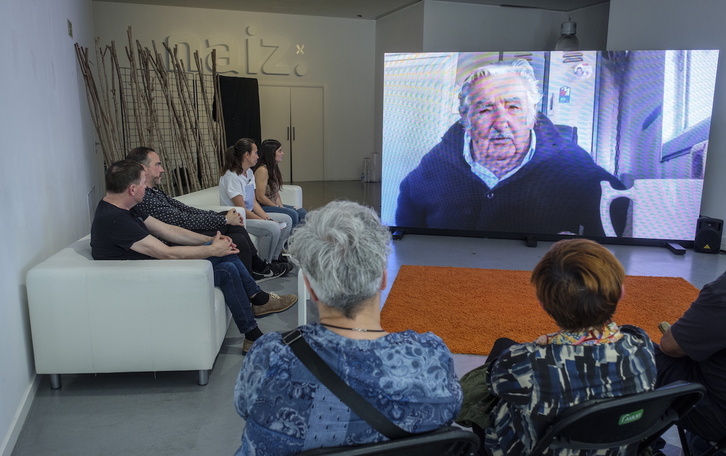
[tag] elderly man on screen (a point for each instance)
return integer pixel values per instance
(503, 167)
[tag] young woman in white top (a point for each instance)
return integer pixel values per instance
(237, 188)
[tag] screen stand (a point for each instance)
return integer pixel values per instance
(674, 247)
(530, 240)
(398, 234)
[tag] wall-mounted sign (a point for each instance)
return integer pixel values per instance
(251, 55)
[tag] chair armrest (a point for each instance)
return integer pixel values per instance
(292, 195)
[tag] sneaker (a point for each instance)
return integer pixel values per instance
(275, 304)
(270, 272)
(282, 268)
(246, 345)
(287, 267)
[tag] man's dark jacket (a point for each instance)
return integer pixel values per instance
(558, 191)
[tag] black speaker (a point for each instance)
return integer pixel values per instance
(708, 235)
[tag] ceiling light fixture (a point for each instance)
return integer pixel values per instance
(568, 40)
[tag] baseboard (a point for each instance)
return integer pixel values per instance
(11, 438)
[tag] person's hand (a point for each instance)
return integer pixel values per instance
(229, 239)
(663, 326)
(234, 218)
(223, 245)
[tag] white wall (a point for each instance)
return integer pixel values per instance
(465, 27)
(592, 26)
(674, 24)
(49, 166)
(337, 54)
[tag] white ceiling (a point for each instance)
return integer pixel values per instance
(366, 9)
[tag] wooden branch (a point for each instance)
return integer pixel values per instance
(126, 110)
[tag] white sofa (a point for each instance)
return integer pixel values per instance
(90, 316)
(209, 198)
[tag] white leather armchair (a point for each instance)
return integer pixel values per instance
(91, 316)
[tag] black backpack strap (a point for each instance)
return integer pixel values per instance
(320, 369)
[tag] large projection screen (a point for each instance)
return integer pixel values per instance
(616, 151)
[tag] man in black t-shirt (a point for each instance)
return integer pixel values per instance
(694, 349)
(122, 232)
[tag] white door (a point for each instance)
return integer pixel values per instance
(306, 112)
(294, 116)
(275, 121)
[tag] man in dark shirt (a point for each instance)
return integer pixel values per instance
(694, 349)
(169, 210)
(120, 231)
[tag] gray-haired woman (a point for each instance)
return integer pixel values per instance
(342, 250)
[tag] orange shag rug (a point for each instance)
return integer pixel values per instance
(471, 308)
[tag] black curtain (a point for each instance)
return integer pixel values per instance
(240, 108)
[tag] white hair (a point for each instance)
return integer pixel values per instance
(519, 67)
(342, 249)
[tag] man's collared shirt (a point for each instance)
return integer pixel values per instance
(173, 212)
(487, 176)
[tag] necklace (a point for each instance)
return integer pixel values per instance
(355, 329)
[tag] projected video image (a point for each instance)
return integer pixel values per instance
(591, 143)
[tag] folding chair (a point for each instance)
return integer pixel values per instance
(446, 441)
(714, 448)
(615, 422)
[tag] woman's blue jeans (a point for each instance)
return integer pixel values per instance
(297, 215)
(237, 285)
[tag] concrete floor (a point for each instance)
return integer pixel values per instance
(167, 413)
